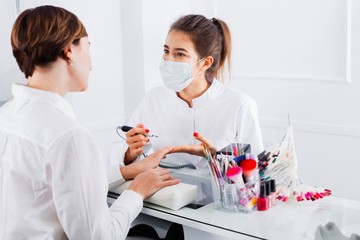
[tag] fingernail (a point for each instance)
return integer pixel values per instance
(147, 130)
(196, 134)
(141, 126)
(148, 140)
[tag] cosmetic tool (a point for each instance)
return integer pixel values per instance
(235, 174)
(249, 167)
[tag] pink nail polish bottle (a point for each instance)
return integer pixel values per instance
(273, 192)
(268, 192)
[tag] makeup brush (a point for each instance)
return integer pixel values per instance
(248, 166)
(235, 174)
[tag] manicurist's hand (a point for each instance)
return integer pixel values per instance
(196, 149)
(152, 180)
(136, 141)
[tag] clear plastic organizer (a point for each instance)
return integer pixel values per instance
(232, 197)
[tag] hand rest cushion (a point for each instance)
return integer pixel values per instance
(173, 197)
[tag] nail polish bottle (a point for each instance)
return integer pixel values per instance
(268, 192)
(263, 200)
(273, 192)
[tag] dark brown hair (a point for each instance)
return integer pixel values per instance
(211, 37)
(41, 35)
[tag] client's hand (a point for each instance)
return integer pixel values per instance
(196, 149)
(136, 140)
(152, 161)
(152, 180)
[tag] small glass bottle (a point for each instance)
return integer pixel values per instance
(268, 192)
(263, 200)
(273, 192)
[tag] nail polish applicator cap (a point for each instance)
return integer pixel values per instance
(262, 190)
(272, 185)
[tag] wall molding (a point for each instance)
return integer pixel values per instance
(291, 78)
(312, 127)
(348, 40)
(346, 80)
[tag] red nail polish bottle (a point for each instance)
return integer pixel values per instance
(263, 200)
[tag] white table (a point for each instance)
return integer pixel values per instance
(291, 220)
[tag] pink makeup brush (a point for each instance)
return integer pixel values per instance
(235, 174)
(249, 166)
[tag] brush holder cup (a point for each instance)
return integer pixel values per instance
(231, 197)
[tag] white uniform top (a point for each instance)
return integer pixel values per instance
(52, 178)
(221, 114)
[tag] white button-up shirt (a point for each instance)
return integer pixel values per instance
(52, 178)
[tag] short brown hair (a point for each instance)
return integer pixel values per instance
(41, 35)
(211, 37)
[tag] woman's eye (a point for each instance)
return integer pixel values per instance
(181, 54)
(166, 51)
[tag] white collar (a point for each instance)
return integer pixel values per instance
(20, 91)
(212, 92)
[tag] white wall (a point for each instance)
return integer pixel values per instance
(9, 70)
(294, 57)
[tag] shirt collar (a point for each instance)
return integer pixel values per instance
(37, 95)
(213, 91)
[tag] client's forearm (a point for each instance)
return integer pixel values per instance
(131, 171)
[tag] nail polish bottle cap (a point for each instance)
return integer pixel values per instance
(273, 185)
(261, 155)
(268, 188)
(262, 190)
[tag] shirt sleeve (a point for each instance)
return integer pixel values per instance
(78, 179)
(249, 130)
(114, 176)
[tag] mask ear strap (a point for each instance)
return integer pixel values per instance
(200, 60)
(201, 69)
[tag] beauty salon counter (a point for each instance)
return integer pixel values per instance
(291, 220)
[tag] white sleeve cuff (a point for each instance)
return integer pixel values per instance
(131, 201)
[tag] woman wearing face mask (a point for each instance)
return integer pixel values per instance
(193, 103)
(52, 177)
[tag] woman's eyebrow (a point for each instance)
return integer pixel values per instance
(177, 49)
(181, 49)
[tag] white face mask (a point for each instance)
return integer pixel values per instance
(176, 75)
